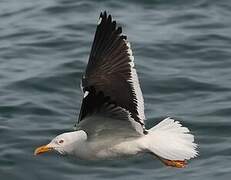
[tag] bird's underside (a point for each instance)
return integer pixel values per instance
(111, 122)
(108, 143)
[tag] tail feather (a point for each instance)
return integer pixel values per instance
(171, 141)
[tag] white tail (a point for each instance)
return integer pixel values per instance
(169, 140)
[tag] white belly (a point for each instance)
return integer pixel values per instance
(122, 149)
(99, 150)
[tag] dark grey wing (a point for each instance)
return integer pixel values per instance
(110, 77)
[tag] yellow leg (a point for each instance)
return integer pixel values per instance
(174, 163)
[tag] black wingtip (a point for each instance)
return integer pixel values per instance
(103, 14)
(119, 30)
(109, 18)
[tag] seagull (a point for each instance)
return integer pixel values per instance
(111, 121)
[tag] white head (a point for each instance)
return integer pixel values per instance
(63, 143)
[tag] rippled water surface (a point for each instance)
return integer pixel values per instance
(183, 56)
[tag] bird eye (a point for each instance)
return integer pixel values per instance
(61, 141)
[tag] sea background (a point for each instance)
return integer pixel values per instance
(182, 52)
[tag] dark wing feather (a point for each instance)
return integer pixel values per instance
(110, 75)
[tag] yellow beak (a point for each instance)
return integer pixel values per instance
(42, 149)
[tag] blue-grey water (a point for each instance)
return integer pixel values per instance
(182, 52)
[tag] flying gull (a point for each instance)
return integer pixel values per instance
(111, 122)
